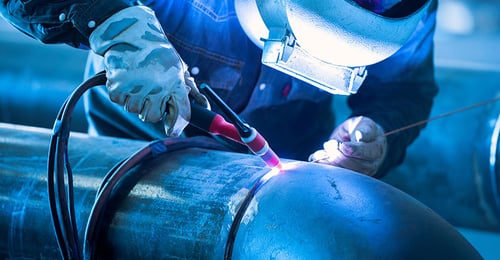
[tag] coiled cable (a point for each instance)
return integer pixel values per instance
(60, 178)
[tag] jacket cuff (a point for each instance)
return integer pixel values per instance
(86, 17)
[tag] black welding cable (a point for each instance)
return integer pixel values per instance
(95, 224)
(233, 230)
(112, 178)
(98, 79)
(63, 219)
(66, 197)
(58, 229)
(113, 183)
(57, 200)
(64, 200)
(60, 199)
(108, 175)
(62, 208)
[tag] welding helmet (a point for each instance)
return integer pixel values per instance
(327, 43)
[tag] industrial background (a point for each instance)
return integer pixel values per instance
(453, 167)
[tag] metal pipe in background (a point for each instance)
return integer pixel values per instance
(454, 165)
(183, 203)
(27, 98)
(36, 78)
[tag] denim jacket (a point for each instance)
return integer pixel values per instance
(295, 118)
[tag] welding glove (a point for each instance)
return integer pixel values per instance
(145, 74)
(357, 144)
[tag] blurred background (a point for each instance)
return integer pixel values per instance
(453, 167)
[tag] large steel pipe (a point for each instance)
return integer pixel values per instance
(181, 205)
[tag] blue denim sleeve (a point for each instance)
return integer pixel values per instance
(69, 22)
(400, 91)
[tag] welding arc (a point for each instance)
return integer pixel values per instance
(441, 116)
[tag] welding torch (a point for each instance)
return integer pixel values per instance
(239, 131)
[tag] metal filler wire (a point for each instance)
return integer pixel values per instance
(483, 103)
(442, 116)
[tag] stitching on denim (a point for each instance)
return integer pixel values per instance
(206, 53)
(211, 13)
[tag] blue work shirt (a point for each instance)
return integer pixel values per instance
(294, 117)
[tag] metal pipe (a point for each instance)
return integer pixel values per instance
(453, 167)
(180, 205)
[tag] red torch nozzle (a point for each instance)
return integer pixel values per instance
(259, 146)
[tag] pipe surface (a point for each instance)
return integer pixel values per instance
(180, 205)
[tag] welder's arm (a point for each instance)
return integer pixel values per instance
(397, 92)
(383, 106)
(398, 104)
(69, 22)
(402, 98)
(145, 73)
(388, 106)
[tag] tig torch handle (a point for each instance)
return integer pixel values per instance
(213, 123)
(259, 146)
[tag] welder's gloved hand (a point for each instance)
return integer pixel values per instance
(357, 144)
(145, 73)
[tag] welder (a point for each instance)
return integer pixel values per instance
(276, 64)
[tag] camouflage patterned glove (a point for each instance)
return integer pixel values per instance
(145, 73)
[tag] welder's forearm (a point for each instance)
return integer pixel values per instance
(398, 104)
(393, 117)
(400, 91)
(69, 22)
